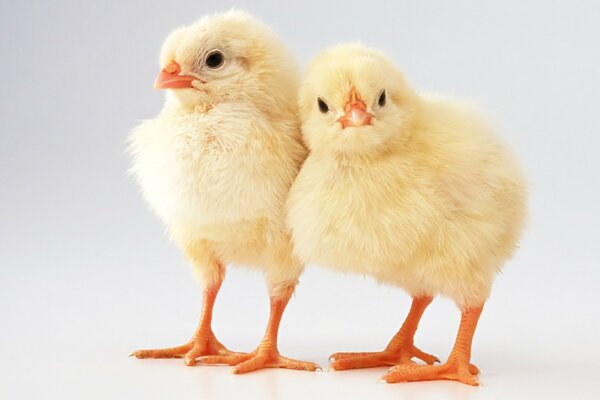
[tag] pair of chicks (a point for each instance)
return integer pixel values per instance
(411, 189)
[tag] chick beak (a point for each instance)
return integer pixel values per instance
(171, 78)
(355, 112)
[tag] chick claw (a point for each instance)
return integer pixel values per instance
(259, 359)
(451, 370)
(342, 361)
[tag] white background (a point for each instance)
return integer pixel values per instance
(87, 274)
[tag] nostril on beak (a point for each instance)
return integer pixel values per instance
(172, 68)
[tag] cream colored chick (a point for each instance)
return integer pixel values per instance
(216, 165)
(411, 189)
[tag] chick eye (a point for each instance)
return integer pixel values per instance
(382, 99)
(323, 107)
(214, 59)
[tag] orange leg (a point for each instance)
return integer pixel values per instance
(266, 354)
(203, 342)
(456, 368)
(400, 350)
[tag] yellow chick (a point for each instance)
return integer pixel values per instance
(411, 189)
(216, 165)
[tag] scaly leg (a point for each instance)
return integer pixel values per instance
(203, 342)
(400, 349)
(266, 354)
(456, 368)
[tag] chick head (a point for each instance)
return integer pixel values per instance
(354, 100)
(226, 57)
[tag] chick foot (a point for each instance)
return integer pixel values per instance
(342, 361)
(457, 367)
(400, 350)
(190, 351)
(263, 357)
(452, 370)
(266, 354)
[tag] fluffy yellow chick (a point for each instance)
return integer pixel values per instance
(411, 189)
(216, 165)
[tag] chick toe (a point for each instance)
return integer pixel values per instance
(387, 357)
(265, 357)
(452, 370)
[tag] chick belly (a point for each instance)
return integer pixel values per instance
(424, 250)
(242, 242)
(257, 243)
(466, 285)
(440, 262)
(244, 230)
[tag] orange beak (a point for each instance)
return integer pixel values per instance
(355, 112)
(170, 78)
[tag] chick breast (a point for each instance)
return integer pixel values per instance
(222, 176)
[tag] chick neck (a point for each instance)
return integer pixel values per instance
(399, 144)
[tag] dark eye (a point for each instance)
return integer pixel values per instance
(323, 107)
(214, 59)
(382, 99)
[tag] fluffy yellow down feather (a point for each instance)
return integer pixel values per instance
(411, 189)
(216, 164)
(425, 198)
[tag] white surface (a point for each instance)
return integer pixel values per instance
(73, 343)
(87, 276)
